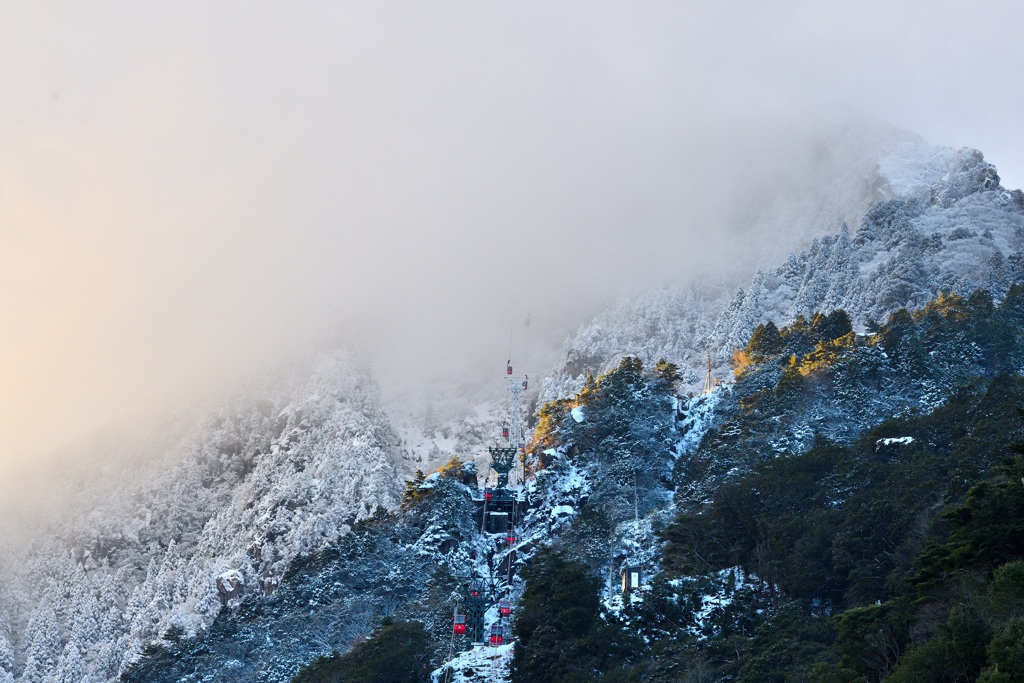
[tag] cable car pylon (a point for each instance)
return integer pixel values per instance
(503, 456)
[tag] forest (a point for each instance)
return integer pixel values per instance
(896, 554)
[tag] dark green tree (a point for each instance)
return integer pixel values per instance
(398, 652)
(560, 635)
(832, 326)
(412, 492)
(667, 372)
(764, 342)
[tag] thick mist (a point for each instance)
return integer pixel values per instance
(192, 192)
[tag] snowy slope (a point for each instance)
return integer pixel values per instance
(943, 223)
(162, 531)
(198, 515)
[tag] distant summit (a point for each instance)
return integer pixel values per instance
(934, 220)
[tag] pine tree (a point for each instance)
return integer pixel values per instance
(6, 657)
(560, 635)
(69, 666)
(412, 491)
(43, 635)
(398, 652)
(667, 372)
(764, 342)
(836, 324)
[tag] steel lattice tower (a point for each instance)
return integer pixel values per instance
(515, 432)
(503, 458)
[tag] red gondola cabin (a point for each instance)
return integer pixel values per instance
(488, 493)
(510, 536)
(460, 624)
(504, 607)
(497, 635)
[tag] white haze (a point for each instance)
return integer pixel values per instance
(190, 191)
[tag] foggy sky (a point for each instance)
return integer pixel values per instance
(189, 191)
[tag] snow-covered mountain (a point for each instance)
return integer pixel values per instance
(157, 534)
(941, 222)
(161, 533)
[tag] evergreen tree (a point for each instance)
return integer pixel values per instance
(45, 646)
(764, 342)
(398, 652)
(6, 657)
(560, 635)
(833, 326)
(625, 442)
(667, 372)
(412, 491)
(69, 667)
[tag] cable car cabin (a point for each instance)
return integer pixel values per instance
(488, 493)
(508, 369)
(525, 379)
(504, 432)
(497, 635)
(504, 607)
(460, 624)
(510, 536)
(476, 588)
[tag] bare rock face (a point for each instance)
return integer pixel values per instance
(230, 585)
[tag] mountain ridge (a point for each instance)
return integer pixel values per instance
(286, 471)
(896, 258)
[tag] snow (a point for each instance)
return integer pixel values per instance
(230, 491)
(912, 169)
(481, 664)
(943, 224)
(699, 413)
(430, 481)
(560, 510)
(237, 492)
(232, 577)
(725, 584)
(895, 441)
(575, 481)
